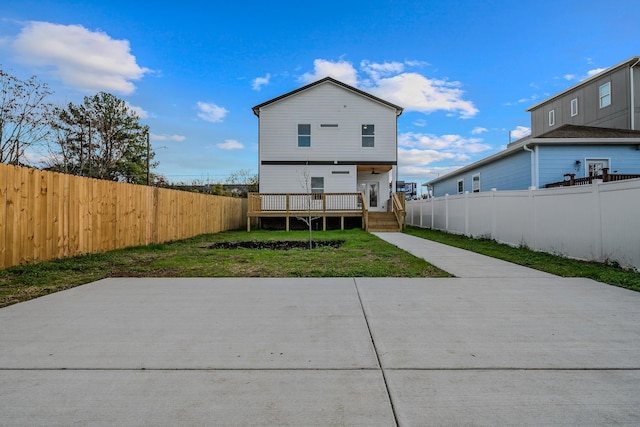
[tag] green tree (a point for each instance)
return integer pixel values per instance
(103, 138)
(25, 116)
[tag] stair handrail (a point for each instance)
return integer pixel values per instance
(399, 209)
(365, 212)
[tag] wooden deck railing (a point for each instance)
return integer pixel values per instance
(605, 176)
(301, 204)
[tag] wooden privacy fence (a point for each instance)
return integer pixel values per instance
(46, 215)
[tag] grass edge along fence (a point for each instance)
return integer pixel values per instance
(48, 215)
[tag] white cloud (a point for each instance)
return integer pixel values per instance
(520, 132)
(230, 144)
(176, 138)
(211, 112)
(530, 99)
(579, 78)
(425, 174)
(417, 151)
(377, 71)
(593, 72)
(391, 81)
(139, 111)
(479, 130)
(258, 82)
(452, 143)
(340, 70)
(416, 157)
(416, 92)
(86, 60)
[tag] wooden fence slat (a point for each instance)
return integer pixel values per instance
(47, 215)
(3, 216)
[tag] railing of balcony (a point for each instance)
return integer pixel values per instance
(571, 180)
(262, 203)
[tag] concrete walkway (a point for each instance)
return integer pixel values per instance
(459, 262)
(506, 350)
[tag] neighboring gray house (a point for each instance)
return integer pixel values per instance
(329, 137)
(582, 130)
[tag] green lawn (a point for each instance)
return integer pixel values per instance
(362, 255)
(553, 264)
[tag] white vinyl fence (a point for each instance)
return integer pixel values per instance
(597, 222)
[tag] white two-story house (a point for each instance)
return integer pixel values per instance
(329, 137)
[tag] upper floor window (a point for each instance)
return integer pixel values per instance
(368, 132)
(605, 95)
(552, 117)
(574, 107)
(304, 135)
(460, 186)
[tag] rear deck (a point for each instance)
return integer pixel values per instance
(314, 205)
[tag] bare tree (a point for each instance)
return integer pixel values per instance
(25, 116)
(245, 178)
(308, 202)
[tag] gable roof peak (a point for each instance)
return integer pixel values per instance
(256, 109)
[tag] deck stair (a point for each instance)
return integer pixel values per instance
(383, 221)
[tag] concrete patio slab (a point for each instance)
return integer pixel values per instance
(364, 351)
(502, 323)
(517, 397)
(194, 398)
(190, 324)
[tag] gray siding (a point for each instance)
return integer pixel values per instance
(617, 115)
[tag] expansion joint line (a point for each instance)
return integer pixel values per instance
(375, 349)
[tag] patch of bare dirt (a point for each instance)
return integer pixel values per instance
(277, 245)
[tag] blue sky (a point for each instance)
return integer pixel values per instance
(465, 71)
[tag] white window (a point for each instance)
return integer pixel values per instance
(552, 117)
(605, 95)
(574, 107)
(593, 167)
(368, 132)
(476, 183)
(460, 186)
(304, 135)
(317, 184)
